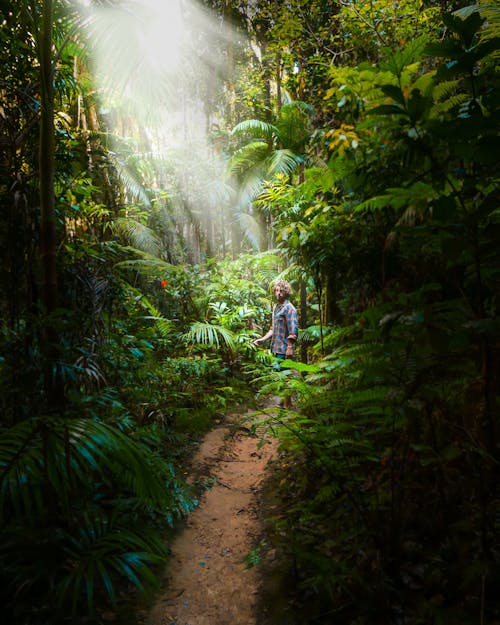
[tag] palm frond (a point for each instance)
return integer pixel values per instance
(38, 453)
(255, 128)
(204, 333)
(251, 187)
(294, 126)
(246, 157)
(103, 549)
(282, 162)
(138, 234)
(130, 178)
(487, 10)
(250, 228)
(300, 105)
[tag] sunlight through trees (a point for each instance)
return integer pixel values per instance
(162, 164)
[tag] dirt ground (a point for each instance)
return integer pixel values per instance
(207, 580)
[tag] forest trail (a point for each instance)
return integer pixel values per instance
(207, 580)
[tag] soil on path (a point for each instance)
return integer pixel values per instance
(207, 580)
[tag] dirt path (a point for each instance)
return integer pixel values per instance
(207, 580)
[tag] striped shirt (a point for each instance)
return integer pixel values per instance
(285, 326)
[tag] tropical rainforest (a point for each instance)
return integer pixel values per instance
(161, 164)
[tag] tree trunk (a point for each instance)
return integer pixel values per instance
(278, 68)
(303, 318)
(230, 66)
(48, 242)
(303, 289)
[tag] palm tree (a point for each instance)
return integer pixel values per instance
(274, 148)
(277, 148)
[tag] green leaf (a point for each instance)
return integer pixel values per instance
(300, 366)
(394, 92)
(401, 59)
(388, 109)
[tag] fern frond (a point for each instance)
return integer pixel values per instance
(147, 265)
(419, 193)
(444, 89)
(451, 103)
(374, 203)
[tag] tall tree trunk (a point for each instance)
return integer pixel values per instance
(303, 318)
(48, 242)
(267, 73)
(230, 65)
(303, 289)
(278, 83)
(278, 67)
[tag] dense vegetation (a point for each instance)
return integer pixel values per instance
(351, 147)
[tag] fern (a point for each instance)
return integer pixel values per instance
(445, 89)
(163, 325)
(453, 102)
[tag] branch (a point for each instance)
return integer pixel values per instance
(370, 25)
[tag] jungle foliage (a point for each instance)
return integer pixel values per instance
(392, 472)
(355, 153)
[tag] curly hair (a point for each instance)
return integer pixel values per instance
(284, 285)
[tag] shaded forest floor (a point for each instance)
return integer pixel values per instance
(216, 571)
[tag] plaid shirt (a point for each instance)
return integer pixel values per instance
(285, 326)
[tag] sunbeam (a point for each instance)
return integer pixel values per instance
(156, 64)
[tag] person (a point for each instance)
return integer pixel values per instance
(284, 328)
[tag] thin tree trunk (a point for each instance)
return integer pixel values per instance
(303, 289)
(278, 68)
(48, 242)
(278, 82)
(230, 66)
(303, 318)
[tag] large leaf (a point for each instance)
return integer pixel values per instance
(400, 59)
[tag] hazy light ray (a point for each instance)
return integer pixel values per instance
(153, 59)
